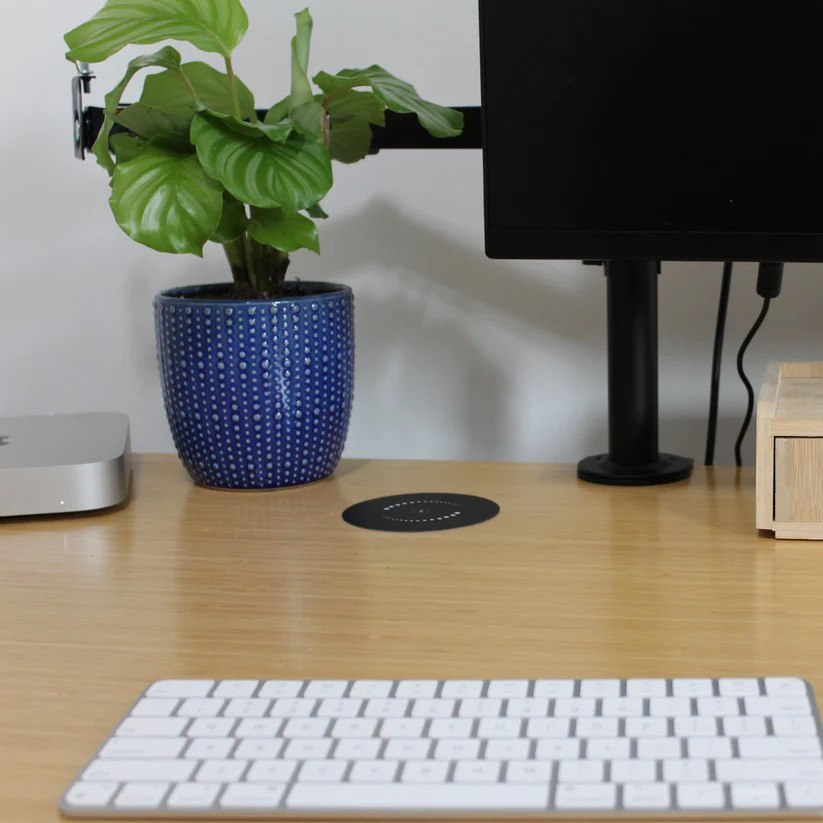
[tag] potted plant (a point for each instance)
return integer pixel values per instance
(257, 374)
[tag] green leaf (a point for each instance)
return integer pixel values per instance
(126, 146)
(153, 123)
(316, 211)
(276, 133)
(211, 25)
(284, 231)
(291, 175)
(166, 201)
(233, 221)
(350, 115)
(168, 91)
(168, 58)
(279, 111)
(301, 90)
(310, 118)
(363, 104)
(398, 95)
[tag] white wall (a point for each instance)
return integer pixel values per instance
(458, 356)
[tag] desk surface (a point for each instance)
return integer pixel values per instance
(570, 580)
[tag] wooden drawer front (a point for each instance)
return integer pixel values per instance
(798, 479)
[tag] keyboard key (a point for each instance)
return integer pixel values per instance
(141, 795)
(416, 689)
(322, 771)
(281, 688)
(307, 749)
(193, 795)
(205, 748)
(777, 706)
(434, 707)
(528, 771)
(698, 726)
(90, 794)
(700, 796)
(139, 770)
(252, 796)
(490, 727)
(344, 707)
(685, 771)
(622, 707)
(236, 689)
(456, 750)
(180, 688)
(744, 726)
(201, 707)
(719, 706)
(408, 748)
(508, 689)
(779, 747)
(461, 689)
(451, 727)
(739, 687)
(633, 771)
(271, 771)
(580, 771)
(480, 707)
(600, 688)
(528, 707)
(414, 796)
(246, 707)
(221, 771)
(402, 727)
(804, 795)
(477, 771)
(755, 795)
(138, 747)
(645, 688)
(785, 687)
(359, 749)
(647, 727)
(260, 727)
(646, 796)
(371, 689)
(305, 727)
(659, 748)
(795, 726)
(354, 727)
(155, 707)
(607, 748)
(574, 707)
(731, 771)
(373, 771)
(425, 771)
(597, 727)
(507, 749)
(695, 687)
(554, 688)
(585, 796)
(670, 707)
(326, 688)
(293, 707)
(548, 727)
(558, 749)
(255, 749)
(211, 727)
(390, 707)
(152, 727)
(710, 748)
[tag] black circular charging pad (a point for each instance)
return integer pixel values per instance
(421, 512)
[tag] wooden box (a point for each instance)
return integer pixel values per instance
(790, 451)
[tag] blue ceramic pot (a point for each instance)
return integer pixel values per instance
(258, 393)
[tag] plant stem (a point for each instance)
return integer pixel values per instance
(233, 88)
(186, 80)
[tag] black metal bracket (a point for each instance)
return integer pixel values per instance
(402, 131)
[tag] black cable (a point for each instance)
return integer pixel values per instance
(717, 360)
(741, 354)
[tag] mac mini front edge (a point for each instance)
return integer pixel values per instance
(62, 463)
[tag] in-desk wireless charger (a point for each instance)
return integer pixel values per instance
(55, 464)
(421, 512)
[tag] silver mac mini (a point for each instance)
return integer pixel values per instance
(55, 464)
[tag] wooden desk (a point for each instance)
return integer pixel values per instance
(570, 580)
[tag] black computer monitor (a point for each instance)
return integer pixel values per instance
(640, 131)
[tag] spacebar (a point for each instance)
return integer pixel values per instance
(434, 797)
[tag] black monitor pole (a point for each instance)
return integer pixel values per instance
(634, 458)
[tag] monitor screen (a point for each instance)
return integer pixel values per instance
(657, 129)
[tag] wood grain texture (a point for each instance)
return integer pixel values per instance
(799, 480)
(570, 580)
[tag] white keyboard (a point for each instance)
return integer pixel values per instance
(416, 748)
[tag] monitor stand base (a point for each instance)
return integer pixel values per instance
(669, 468)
